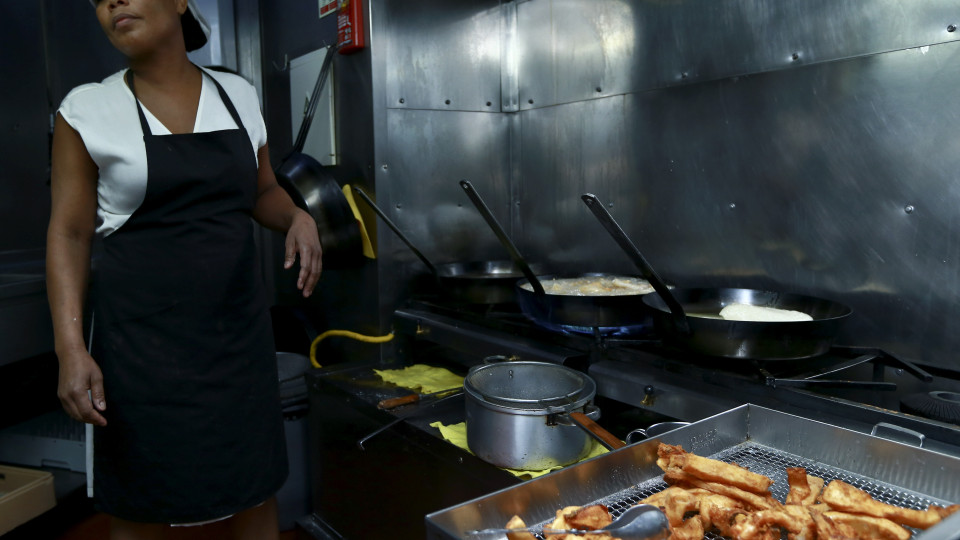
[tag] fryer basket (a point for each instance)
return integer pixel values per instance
(763, 440)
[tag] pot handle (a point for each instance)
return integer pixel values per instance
(604, 437)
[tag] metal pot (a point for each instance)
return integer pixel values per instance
(518, 414)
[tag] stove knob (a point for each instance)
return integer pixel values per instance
(648, 398)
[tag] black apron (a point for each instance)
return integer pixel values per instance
(184, 339)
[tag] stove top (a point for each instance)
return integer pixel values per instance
(852, 386)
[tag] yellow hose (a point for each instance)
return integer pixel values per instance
(344, 333)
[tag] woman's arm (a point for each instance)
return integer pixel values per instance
(72, 223)
(275, 210)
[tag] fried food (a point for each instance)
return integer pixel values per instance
(709, 496)
(568, 518)
(517, 523)
(678, 477)
(721, 513)
(595, 516)
(794, 519)
(712, 470)
(691, 529)
(676, 502)
(804, 488)
(869, 526)
(842, 496)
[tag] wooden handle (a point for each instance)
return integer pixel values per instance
(607, 439)
(393, 403)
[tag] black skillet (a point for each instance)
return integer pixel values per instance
(689, 318)
(580, 313)
(473, 282)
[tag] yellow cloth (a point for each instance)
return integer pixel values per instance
(456, 434)
(368, 250)
(428, 379)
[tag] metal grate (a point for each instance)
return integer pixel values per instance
(772, 464)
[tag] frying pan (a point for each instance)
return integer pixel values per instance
(314, 189)
(555, 311)
(474, 282)
(689, 318)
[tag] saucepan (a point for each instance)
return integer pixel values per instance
(530, 415)
(474, 282)
(689, 318)
(569, 311)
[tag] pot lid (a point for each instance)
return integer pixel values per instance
(530, 386)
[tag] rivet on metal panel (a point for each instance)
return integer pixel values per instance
(684, 75)
(399, 206)
(732, 205)
(383, 167)
(952, 28)
(795, 56)
(402, 100)
(530, 101)
(489, 103)
(447, 101)
(908, 208)
(599, 89)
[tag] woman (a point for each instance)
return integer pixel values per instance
(168, 162)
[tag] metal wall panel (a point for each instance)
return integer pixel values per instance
(573, 49)
(443, 55)
(837, 179)
(429, 152)
(832, 173)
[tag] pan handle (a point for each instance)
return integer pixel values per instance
(604, 437)
(594, 204)
(502, 236)
(393, 227)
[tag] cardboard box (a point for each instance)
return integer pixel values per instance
(24, 495)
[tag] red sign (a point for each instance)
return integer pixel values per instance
(327, 7)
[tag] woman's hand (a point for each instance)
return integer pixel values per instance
(80, 374)
(303, 240)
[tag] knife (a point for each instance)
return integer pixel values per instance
(393, 403)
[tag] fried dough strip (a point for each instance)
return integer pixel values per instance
(676, 502)
(560, 522)
(794, 518)
(517, 523)
(678, 477)
(711, 470)
(804, 488)
(720, 512)
(842, 496)
(691, 529)
(827, 529)
(870, 527)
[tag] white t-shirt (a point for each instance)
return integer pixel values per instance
(105, 116)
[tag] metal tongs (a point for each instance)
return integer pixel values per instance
(640, 522)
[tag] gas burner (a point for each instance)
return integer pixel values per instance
(599, 332)
(937, 405)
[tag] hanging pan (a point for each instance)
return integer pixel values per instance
(587, 313)
(690, 318)
(314, 189)
(473, 282)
